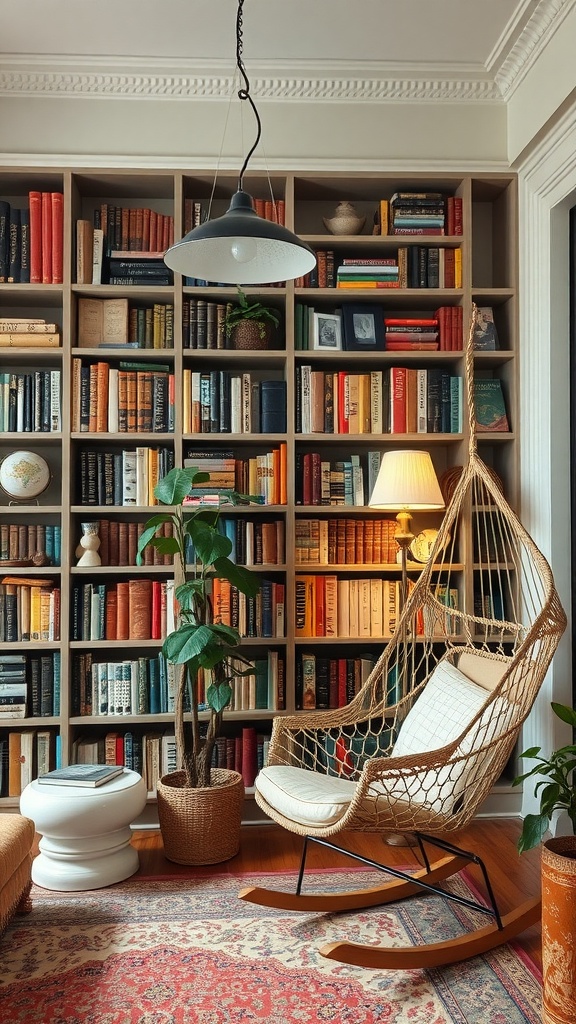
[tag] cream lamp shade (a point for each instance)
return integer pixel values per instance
(406, 480)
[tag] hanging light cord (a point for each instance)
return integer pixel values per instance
(244, 94)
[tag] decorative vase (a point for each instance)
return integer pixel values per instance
(87, 550)
(250, 335)
(346, 221)
(201, 826)
(559, 930)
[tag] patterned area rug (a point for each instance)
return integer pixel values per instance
(187, 951)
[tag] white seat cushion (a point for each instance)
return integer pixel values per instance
(305, 796)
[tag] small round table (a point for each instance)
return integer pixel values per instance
(85, 832)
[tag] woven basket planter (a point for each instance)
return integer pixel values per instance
(559, 930)
(251, 335)
(201, 826)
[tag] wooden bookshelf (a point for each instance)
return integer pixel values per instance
(488, 246)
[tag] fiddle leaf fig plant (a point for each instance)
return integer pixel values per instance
(556, 788)
(198, 646)
(245, 310)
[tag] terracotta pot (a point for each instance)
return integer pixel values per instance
(201, 826)
(559, 930)
(251, 334)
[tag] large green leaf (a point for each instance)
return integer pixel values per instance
(209, 544)
(565, 713)
(533, 831)
(218, 695)
(187, 642)
(245, 580)
(175, 486)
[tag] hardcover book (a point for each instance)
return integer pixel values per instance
(485, 332)
(89, 775)
(489, 404)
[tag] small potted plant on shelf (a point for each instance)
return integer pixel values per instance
(556, 788)
(249, 325)
(199, 798)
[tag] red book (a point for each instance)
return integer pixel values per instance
(249, 755)
(397, 400)
(343, 410)
(458, 215)
(411, 346)
(119, 750)
(57, 202)
(46, 238)
(410, 321)
(156, 631)
(153, 243)
(111, 627)
(320, 606)
(35, 203)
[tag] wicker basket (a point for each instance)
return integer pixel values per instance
(201, 826)
(250, 335)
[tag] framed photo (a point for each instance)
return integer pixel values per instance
(363, 328)
(327, 334)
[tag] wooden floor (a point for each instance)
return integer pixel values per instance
(270, 848)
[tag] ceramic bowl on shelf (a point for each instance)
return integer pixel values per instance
(24, 475)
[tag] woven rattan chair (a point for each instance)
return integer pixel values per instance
(423, 742)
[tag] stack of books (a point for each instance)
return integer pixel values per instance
(28, 332)
(417, 213)
(13, 692)
(221, 466)
(409, 333)
(140, 268)
(369, 273)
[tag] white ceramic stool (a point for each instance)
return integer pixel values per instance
(85, 832)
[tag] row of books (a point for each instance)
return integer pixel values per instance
(26, 754)
(396, 400)
(29, 685)
(257, 542)
(130, 398)
(23, 541)
(413, 266)
(204, 323)
(388, 214)
(122, 478)
(117, 323)
(342, 541)
(30, 402)
(260, 616)
(196, 211)
(263, 477)
(326, 682)
(135, 609)
(119, 542)
(318, 481)
(224, 402)
(328, 606)
(32, 240)
(29, 609)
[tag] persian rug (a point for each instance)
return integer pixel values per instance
(188, 951)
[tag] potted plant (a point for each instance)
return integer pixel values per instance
(199, 646)
(557, 792)
(249, 325)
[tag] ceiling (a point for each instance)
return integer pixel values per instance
(343, 38)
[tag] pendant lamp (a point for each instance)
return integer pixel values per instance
(240, 247)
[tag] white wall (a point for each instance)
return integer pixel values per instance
(183, 133)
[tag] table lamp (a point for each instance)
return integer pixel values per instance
(406, 483)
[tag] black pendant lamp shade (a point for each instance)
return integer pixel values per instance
(241, 248)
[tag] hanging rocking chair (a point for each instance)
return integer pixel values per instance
(419, 748)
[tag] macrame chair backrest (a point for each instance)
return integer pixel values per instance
(475, 667)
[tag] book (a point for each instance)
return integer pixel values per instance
(485, 337)
(88, 775)
(102, 321)
(489, 405)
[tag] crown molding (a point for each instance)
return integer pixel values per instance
(338, 81)
(100, 77)
(543, 23)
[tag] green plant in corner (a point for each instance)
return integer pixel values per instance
(245, 310)
(198, 644)
(557, 787)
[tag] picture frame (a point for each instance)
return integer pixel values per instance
(327, 332)
(363, 328)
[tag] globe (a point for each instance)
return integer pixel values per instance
(24, 475)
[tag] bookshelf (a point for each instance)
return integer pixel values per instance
(488, 255)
